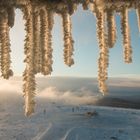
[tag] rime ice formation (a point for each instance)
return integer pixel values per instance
(68, 41)
(4, 44)
(126, 35)
(103, 59)
(39, 20)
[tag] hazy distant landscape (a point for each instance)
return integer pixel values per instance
(71, 109)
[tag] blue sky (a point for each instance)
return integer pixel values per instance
(86, 47)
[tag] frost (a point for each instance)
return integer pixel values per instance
(103, 59)
(4, 44)
(126, 35)
(68, 41)
(111, 24)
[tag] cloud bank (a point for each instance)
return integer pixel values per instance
(70, 90)
(81, 96)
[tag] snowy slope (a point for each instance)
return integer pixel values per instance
(58, 118)
(62, 122)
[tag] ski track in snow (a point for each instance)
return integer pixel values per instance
(41, 134)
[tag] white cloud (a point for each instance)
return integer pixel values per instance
(81, 96)
(10, 86)
(65, 90)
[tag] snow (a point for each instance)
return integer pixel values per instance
(58, 120)
(67, 122)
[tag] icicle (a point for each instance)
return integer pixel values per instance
(36, 43)
(138, 17)
(126, 36)
(85, 4)
(68, 41)
(11, 16)
(49, 49)
(103, 59)
(28, 75)
(111, 28)
(22, 2)
(71, 7)
(5, 44)
(46, 43)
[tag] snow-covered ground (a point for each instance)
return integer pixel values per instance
(60, 120)
(54, 121)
